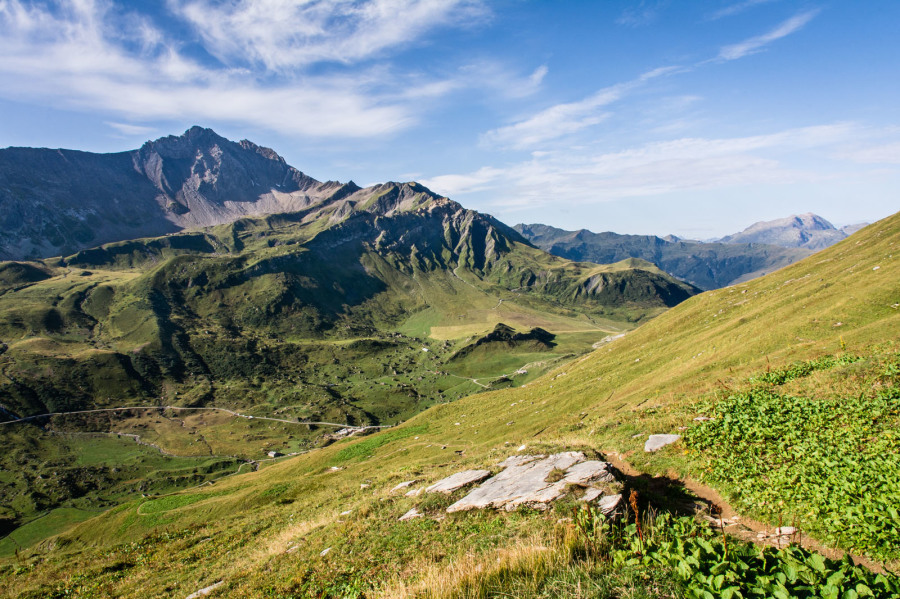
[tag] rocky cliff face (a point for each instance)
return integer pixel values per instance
(203, 179)
(55, 202)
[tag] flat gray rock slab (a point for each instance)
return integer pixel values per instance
(525, 484)
(587, 472)
(205, 591)
(413, 513)
(609, 503)
(403, 485)
(656, 442)
(591, 494)
(519, 460)
(458, 481)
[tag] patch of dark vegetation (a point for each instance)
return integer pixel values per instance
(14, 274)
(504, 336)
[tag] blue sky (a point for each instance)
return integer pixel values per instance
(692, 118)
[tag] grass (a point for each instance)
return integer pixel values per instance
(48, 525)
(366, 448)
(168, 503)
(657, 378)
(84, 473)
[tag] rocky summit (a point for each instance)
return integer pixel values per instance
(55, 202)
(808, 230)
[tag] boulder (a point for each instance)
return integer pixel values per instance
(413, 513)
(657, 442)
(590, 471)
(403, 485)
(609, 503)
(591, 494)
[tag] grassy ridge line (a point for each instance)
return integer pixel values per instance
(643, 383)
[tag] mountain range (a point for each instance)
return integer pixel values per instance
(759, 249)
(167, 315)
(706, 265)
(55, 202)
(58, 202)
(180, 411)
(808, 230)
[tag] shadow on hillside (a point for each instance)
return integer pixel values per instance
(665, 494)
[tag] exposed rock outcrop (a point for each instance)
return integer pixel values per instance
(657, 442)
(535, 481)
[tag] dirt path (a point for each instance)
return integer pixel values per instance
(180, 408)
(735, 524)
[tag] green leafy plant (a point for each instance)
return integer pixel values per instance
(830, 464)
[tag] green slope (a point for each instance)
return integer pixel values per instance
(263, 533)
(346, 313)
(155, 319)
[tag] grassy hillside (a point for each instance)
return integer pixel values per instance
(170, 320)
(818, 335)
(347, 313)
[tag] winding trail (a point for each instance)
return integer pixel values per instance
(179, 408)
(728, 518)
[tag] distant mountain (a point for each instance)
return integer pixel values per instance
(706, 265)
(200, 310)
(796, 231)
(849, 230)
(56, 202)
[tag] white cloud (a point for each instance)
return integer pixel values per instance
(736, 8)
(92, 55)
(756, 44)
(128, 129)
(641, 13)
(888, 153)
(499, 79)
(662, 167)
(288, 34)
(538, 75)
(567, 118)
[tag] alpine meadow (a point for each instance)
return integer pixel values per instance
(221, 376)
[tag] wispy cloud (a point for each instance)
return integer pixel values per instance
(91, 55)
(642, 13)
(538, 75)
(879, 153)
(756, 44)
(128, 129)
(564, 119)
(651, 169)
(736, 8)
(288, 34)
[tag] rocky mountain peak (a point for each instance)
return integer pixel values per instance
(185, 145)
(806, 230)
(810, 221)
(263, 151)
(57, 202)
